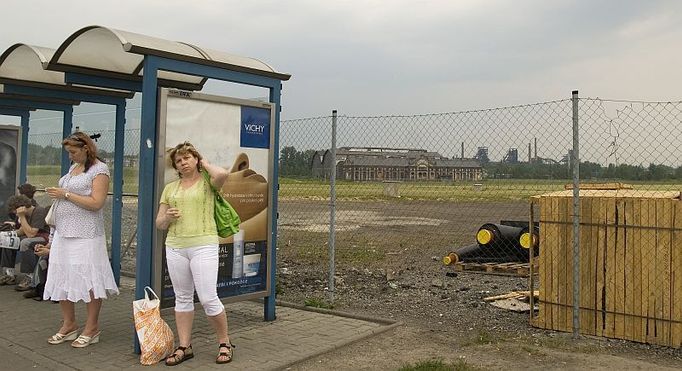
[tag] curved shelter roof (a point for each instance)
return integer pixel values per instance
(97, 50)
(23, 64)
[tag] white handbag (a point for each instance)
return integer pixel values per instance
(49, 218)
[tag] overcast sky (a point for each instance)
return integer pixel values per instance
(370, 57)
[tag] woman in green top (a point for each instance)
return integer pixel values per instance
(186, 211)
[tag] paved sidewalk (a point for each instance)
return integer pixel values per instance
(295, 335)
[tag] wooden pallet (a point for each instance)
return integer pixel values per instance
(511, 269)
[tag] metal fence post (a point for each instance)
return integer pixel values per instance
(575, 161)
(332, 210)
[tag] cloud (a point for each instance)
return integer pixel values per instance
(380, 57)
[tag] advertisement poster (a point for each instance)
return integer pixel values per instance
(9, 165)
(236, 135)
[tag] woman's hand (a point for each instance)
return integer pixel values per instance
(57, 193)
(166, 216)
(173, 213)
(217, 174)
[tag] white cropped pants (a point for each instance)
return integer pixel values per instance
(193, 268)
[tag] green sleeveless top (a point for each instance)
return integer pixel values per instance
(196, 225)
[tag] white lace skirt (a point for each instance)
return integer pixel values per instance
(78, 266)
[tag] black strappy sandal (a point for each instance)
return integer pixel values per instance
(176, 359)
(227, 355)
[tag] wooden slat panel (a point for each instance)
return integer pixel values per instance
(619, 269)
(557, 277)
(650, 263)
(628, 269)
(630, 266)
(676, 277)
(664, 218)
(544, 266)
(568, 267)
(594, 249)
(610, 267)
(635, 237)
(586, 268)
(601, 268)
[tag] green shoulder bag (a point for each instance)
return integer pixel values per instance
(226, 218)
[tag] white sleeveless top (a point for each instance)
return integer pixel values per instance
(72, 220)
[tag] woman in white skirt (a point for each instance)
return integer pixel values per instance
(79, 263)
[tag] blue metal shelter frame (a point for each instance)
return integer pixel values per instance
(149, 133)
(29, 98)
(23, 106)
(149, 88)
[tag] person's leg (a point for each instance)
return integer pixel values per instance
(92, 323)
(204, 265)
(26, 262)
(41, 275)
(28, 256)
(7, 261)
(183, 287)
(183, 322)
(69, 324)
(219, 324)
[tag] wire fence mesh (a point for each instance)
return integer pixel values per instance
(458, 185)
(629, 257)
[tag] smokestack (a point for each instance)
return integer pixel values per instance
(462, 150)
(530, 159)
(536, 148)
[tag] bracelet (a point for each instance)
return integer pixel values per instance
(66, 195)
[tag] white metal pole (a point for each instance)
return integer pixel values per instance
(576, 219)
(332, 210)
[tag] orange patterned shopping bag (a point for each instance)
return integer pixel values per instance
(154, 334)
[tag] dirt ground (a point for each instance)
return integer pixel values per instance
(388, 265)
(442, 312)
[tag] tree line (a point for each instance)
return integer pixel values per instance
(49, 155)
(588, 170)
(295, 163)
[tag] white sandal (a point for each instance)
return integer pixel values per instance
(60, 338)
(83, 341)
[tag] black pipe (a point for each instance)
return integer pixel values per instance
(525, 241)
(477, 253)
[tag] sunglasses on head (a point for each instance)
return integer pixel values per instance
(77, 138)
(184, 144)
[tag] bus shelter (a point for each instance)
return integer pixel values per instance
(104, 65)
(26, 85)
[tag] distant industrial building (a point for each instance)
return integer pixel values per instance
(395, 164)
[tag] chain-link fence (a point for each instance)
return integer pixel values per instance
(616, 273)
(459, 184)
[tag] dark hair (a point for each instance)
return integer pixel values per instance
(184, 148)
(17, 201)
(80, 139)
(27, 190)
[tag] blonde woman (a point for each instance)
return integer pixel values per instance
(186, 211)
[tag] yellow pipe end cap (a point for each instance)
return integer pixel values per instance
(484, 236)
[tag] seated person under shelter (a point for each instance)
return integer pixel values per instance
(27, 190)
(40, 272)
(32, 230)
